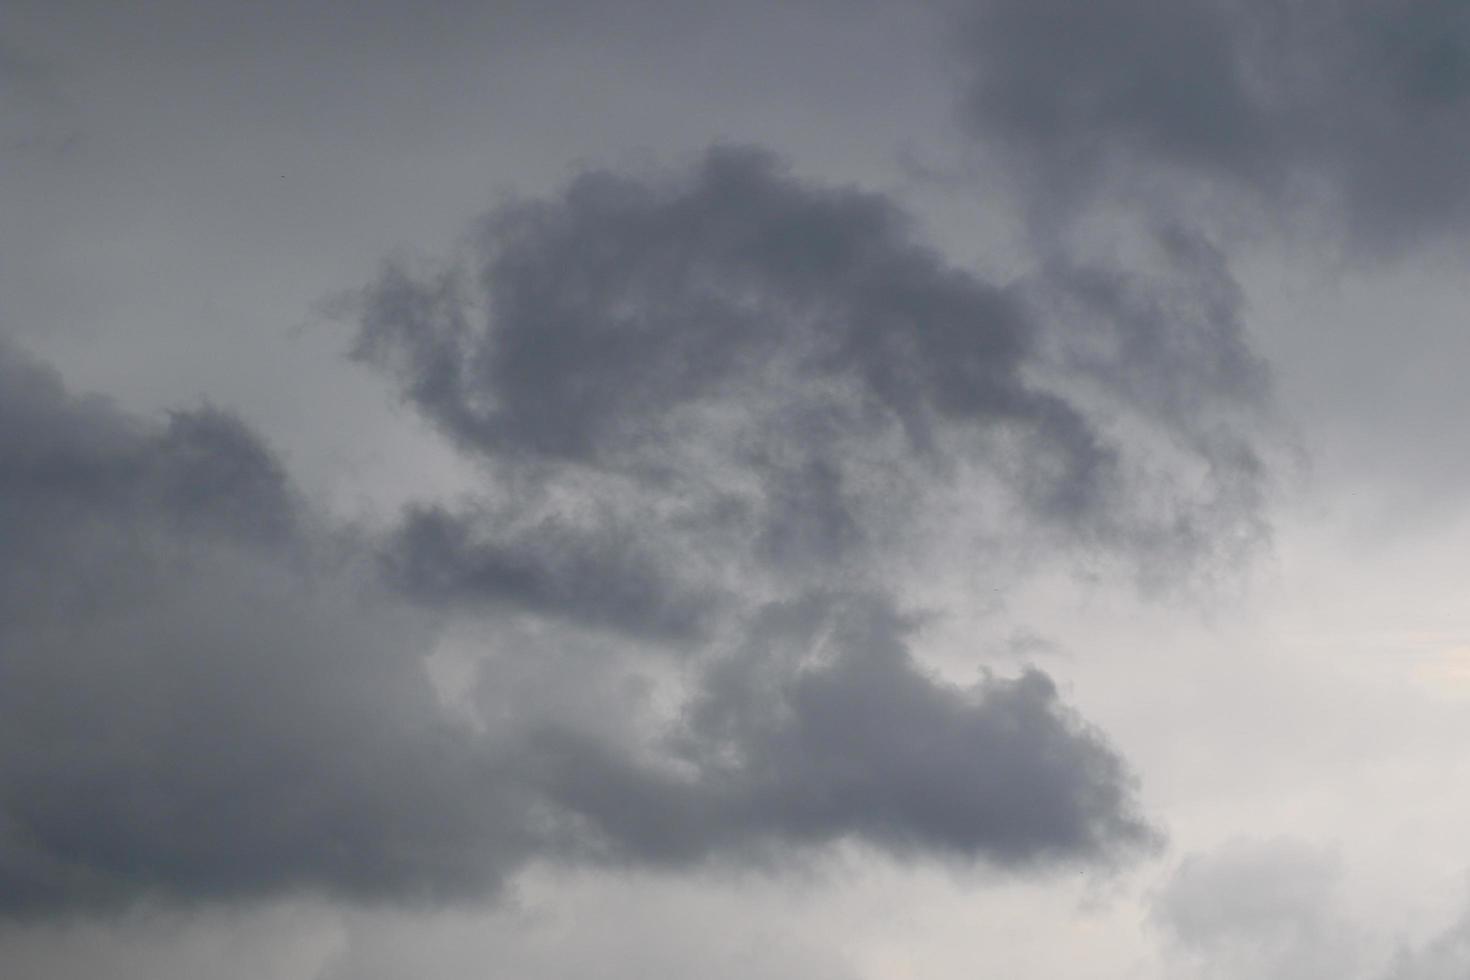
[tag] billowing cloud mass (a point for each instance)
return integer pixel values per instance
(734, 489)
(206, 696)
(195, 702)
(721, 415)
(1354, 111)
(777, 375)
(736, 433)
(859, 742)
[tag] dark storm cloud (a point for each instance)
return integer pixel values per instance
(758, 385)
(823, 726)
(721, 416)
(619, 308)
(1360, 106)
(761, 387)
(60, 456)
(202, 697)
(596, 577)
(189, 708)
(789, 369)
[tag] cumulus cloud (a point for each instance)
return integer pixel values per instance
(714, 410)
(207, 696)
(767, 377)
(723, 417)
(197, 701)
(723, 412)
(822, 726)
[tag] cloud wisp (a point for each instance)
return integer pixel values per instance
(779, 373)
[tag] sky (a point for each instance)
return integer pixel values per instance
(653, 489)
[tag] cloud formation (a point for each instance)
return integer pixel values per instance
(1278, 908)
(1260, 908)
(208, 697)
(822, 726)
(1445, 956)
(717, 411)
(723, 416)
(197, 701)
(771, 376)
(1353, 111)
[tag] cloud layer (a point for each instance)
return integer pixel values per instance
(729, 424)
(771, 377)
(208, 696)
(198, 700)
(1354, 112)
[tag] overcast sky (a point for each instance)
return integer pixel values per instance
(667, 488)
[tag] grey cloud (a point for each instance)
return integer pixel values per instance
(692, 398)
(596, 577)
(825, 727)
(205, 697)
(203, 468)
(1161, 333)
(1277, 908)
(1261, 908)
(765, 353)
(622, 307)
(1359, 106)
(1444, 957)
(759, 387)
(1165, 332)
(191, 709)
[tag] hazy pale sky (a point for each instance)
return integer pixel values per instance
(655, 489)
